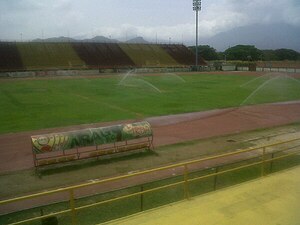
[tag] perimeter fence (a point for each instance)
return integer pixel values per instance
(153, 187)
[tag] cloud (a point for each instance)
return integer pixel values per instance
(131, 18)
(292, 15)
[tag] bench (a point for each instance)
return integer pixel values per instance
(87, 143)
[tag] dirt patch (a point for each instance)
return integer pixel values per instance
(167, 130)
(15, 153)
(25, 183)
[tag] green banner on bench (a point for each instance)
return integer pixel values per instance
(89, 137)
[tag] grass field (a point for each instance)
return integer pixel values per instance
(31, 104)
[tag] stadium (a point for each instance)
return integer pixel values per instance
(140, 133)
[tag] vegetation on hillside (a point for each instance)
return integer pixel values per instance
(246, 53)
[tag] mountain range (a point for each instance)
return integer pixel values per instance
(99, 39)
(273, 36)
(262, 36)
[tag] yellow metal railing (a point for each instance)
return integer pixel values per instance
(260, 152)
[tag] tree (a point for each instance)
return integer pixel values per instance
(206, 52)
(221, 55)
(269, 55)
(280, 54)
(287, 54)
(243, 52)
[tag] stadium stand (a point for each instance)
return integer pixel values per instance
(41, 56)
(49, 56)
(10, 58)
(148, 55)
(182, 54)
(102, 55)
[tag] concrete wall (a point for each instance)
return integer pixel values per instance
(243, 68)
(92, 72)
(284, 70)
(48, 73)
(228, 67)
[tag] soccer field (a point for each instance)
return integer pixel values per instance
(30, 104)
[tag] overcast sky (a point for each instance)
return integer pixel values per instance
(119, 19)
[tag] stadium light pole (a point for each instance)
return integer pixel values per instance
(197, 8)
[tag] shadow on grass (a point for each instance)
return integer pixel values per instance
(86, 163)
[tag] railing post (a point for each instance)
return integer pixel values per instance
(271, 164)
(72, 206)
(186, 185)
(216, 178)
(263, 162)
(142, 198)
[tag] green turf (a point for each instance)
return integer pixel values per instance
(35, 104)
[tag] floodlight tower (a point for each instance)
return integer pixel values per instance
(197, 8)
